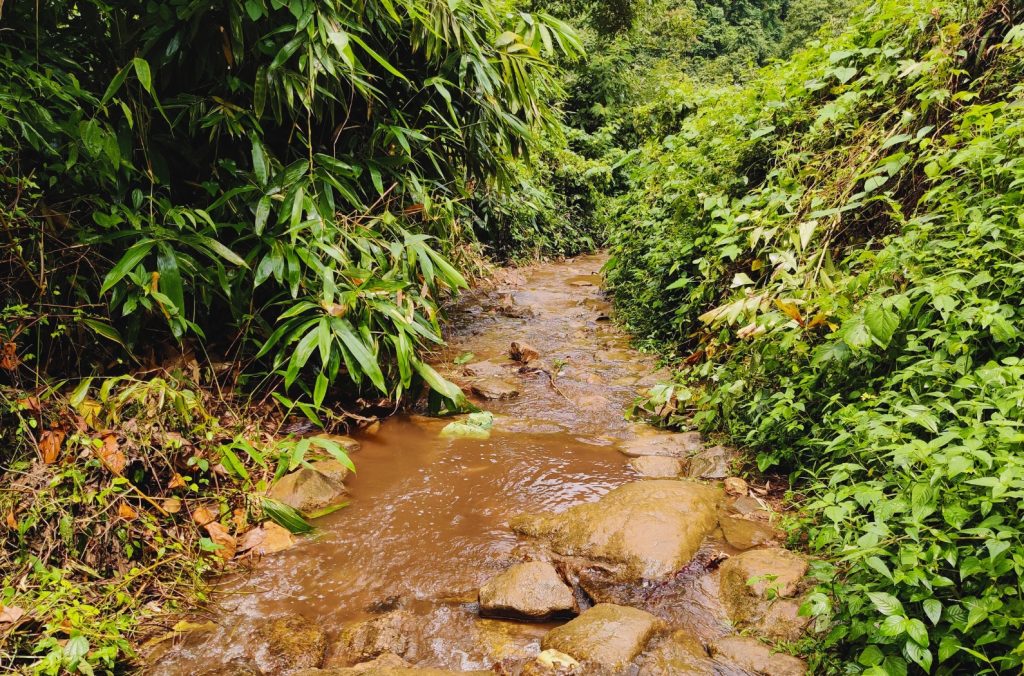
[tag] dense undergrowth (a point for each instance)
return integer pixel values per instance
(833, 248)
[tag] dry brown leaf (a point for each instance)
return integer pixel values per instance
(9, 357)
(127, 512)
(177, 481)
(790, 310)
(220, 535)
(10, 614)
(31, 404)
(171, 505)
(12, 520)
(50, 444)
(203, 515)
(111, 455)
(239, 519)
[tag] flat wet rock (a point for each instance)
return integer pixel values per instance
(677, 655)
(494, 389)
(712, 462)
(756, 657)
(607, 636)
(746, 534)
(391, 633)
(643, 530)
(657, 466)
(530, 591)
(680, 445)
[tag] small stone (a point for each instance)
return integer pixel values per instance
(287, 644)
(523, 352)
(494, 388)
(750, 654)
(552, 663)
(680, 445)
(657, 466)
(530, 591)
(484, 369)
(735, 486)
(606, 636)
(307, 490)
(746, 534)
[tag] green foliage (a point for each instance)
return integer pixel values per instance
(834, 247)
(284, 175)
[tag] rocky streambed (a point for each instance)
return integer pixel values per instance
(552, 538)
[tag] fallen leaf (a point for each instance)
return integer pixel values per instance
(127, 512)
(12, 521)
(203, 515)
(790, 310)
(220, 535)
(31, 404)
(238, 518)
(9, 356)
(171, 505)
(177, 481)
(10, 614)
(90, 410)
(50, 443)
(111, 455)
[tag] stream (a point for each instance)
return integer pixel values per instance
(428, 520)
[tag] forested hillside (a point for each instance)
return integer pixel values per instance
(832, 248)
(221, 222)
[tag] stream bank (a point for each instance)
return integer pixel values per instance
(474, 553)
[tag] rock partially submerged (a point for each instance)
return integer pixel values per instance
(642, 530)
(746, 534)
(657, 466)
(750, 654)
(678, 655)
(308, 489)
(494, 388)
(528, 591)
(679, 445)
(606, 637)
(393, 632)
(287, 644)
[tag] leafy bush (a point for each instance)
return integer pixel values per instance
(834, 249)
(216, 169)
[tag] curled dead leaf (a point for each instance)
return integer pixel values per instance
(111, 456)
(220, 535)
(50, 443)
(177, 481)
(12, 520)
(9, 356)
(203, 515)
(30, 404)
(127, 512)
(171, 505)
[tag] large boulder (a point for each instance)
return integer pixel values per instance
(642, 530)
(750, 654)
(657, 466)
(606, 637)
(308, 489)
(287, 644)
(528, 591)
(393, 632)
(677, 655)
(679, 445)
(776, 573)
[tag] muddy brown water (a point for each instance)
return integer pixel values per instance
(427, 521)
